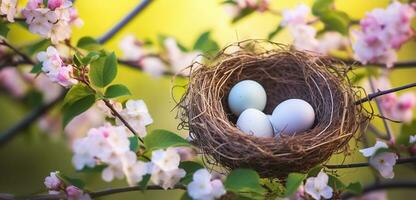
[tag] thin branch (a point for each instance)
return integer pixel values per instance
(107, 36)
(366, 164)
(397, 65)
(383, 186)
(129, 189)
(380, 110)
(29, 119)
(96, 194)
(383, 92)
(376, 132)
(18, 52)
(116, 114)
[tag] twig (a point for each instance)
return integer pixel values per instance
(366, 164)
(93, 195)
(128, 189)
(107, 36)
(383, 186)
(397, 65)
(25, 122)
(376, 132)
(383, 92)
(116, 114)
(17, 51)
(380, 110)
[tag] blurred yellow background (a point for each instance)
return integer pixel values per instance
(26, 160)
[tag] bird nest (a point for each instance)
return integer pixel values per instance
(284, 73)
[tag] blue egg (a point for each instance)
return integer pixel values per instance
(247, 94)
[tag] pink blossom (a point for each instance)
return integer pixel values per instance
(296, 16)
(13, 82)
(52, 182)
(382, 32)
(75, 193)
(234, 9)
(8, 8)
(53, 4)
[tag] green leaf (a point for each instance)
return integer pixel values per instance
(45, 3)
(275, 32)
(77, 60)
(134, 143)
(161, 40)
(335, 183)
(36, 69)
(71, 181)
(244, 181)
(76, 93)
(116, 90)
(355, 188)
(190, 168)
(314, 171)
(143, 184)
(244, 13)
(206, 44)
(320, 6)
(103, 70)
(40, 45)
(294, 180)
(406, 131)
(91, 57)
(74, 109)
(4, 30)
(336, 21)
(89, 43)
(162, 139)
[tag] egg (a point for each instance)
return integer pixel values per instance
(246, 94)
(292, 116)
(254, 122)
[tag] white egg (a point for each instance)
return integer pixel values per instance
(292, 116)
(246, 94)
(255, 122)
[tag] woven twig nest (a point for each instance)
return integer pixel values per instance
(285, 73)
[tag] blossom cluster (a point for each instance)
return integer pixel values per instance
(109, 145)
(396, 107)
(56, 70)
(156, 64)
(8, 8)
(383, 31)
(56, 186)
(53, 20)
(297, 20)
(235, 7)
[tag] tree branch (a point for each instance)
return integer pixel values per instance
(17, 51)
(397, 65)
(107, 36)
(383, 92)
(93, 195)
(383, 186)
(29, 119)
(366, 164)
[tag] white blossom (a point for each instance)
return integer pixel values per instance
(203, 187)
(132, 48)
(368, 152)
(153, 66)
(137, 115)
(384, 163)
(412, 139)
(166, 160)
(8, 8)
(180, 61)
(166, 179)
(296, 16)
(318, 186)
